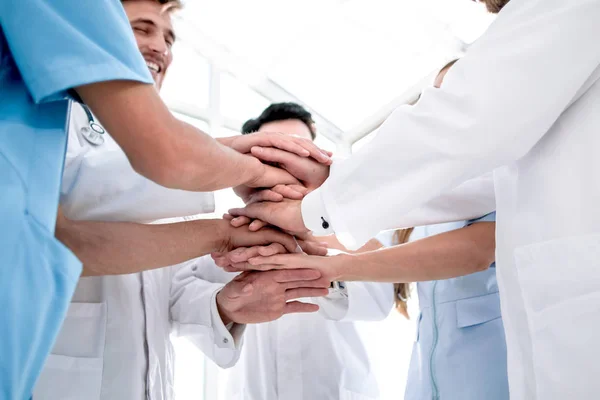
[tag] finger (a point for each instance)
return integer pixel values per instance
(316, 152)
(313, 150)
(300, 188)
(270, 154)
(253, 211)
(222, 261)
(246, 267)
(291, 191)
(257, 225)
(292, 275)
(321, 283)
(242, 254)
(240, 221)
(227, 217)
(284, 261)
(287, 143)
(313, 248)
(271, 250)
(265, 195)
(294, 307)
(305, 292)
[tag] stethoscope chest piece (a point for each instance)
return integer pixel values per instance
(94, 132)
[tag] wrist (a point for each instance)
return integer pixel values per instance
(222, 235)
(341, 266)
(223, 312)
(253, 169)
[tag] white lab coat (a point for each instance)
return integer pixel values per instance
(308, 356)
(114, 343)
(524, 102)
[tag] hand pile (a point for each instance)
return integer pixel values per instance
(270, 225)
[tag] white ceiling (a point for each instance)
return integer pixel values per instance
(345, 59)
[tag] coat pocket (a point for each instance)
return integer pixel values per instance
(560, 283)
(74, 368)
(477, 310)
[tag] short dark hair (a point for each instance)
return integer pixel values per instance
(173, 4)
(494, 6)
(281, 112)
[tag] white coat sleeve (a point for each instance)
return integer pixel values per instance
(362, 301)
(194, 312)
(536, 59)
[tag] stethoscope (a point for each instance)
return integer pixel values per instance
(93, 132)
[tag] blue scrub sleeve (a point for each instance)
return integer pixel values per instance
(61, 44)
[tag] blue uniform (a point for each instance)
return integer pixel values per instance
(46, 48)
(460, 351)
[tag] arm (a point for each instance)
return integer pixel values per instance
(447, 255)
(166, 150)
(108, 248)
(201, 304)
(195, 315)
(543, 57)
(363, 301)
(360, 301)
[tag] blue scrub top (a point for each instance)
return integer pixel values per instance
(46, 48)
(460, 349)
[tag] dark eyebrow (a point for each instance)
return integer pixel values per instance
(170, 32)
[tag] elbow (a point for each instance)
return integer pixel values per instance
(162, 168)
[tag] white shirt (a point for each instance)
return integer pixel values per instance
(308, 356)
(114, 343)
(524, 102)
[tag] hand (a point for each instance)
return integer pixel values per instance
(331, 268)
(311, 173)
(277, 193)
(266, 176)
(241, 255)
(299, 146)
(231, 238)
(285, 214)
(254, 297)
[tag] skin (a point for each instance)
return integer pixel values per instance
(108, 248)
(255, 297)
(447, 255)
(272, 293)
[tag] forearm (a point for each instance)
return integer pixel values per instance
(111, 248)
(159, 146)
(447, 255)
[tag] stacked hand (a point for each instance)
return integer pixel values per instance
(293, 167)
(254, 297)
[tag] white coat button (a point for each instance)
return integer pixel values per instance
(225, 340)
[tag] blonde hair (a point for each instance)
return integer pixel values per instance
(402, 290)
